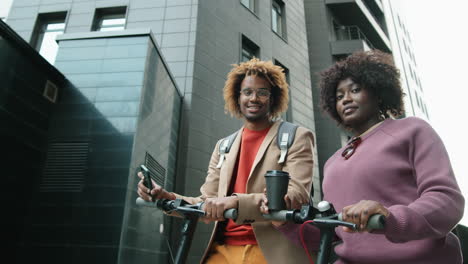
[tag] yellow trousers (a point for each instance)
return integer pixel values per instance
(229, 254)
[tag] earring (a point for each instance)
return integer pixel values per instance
(382, 115)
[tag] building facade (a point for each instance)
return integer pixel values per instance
(74, 147)
(335, 29)
(405, 59)
(100, 49)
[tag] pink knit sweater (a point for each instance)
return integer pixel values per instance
(402, 164)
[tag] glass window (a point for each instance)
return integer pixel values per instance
(277, 17)
(110, 19)
(250, 4)
(247, 54)
(48, 27)
(249, 49)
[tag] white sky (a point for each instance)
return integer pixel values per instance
(439, 32)
(5, 7)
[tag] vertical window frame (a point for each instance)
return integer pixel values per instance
(281, 6)
(41, 30)
(252, 5)
(248, 47)
(107, 13)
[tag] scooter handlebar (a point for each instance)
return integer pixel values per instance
(376, 221)
(168, 205)
(231, 213)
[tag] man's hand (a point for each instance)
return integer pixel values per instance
(156, 193)
(359, 213)
(289, 205)
(264, 210)
(215, 207)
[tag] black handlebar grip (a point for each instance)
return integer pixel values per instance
(375, 222)
(276, 215)
(231, 213)
(228, 214)
(167, 205)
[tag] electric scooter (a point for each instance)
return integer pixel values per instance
(324, 217)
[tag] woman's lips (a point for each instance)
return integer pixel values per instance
(349, 110)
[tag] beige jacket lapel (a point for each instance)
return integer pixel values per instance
(263, 147)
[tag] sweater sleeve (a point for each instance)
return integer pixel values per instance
(440, 204)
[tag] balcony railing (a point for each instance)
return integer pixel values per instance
(351, 33)
(375, 9)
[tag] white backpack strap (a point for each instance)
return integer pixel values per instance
(283, 147)
(285, 138)
(224, 148)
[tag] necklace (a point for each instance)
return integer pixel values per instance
(355, 141)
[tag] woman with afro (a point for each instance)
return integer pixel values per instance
(395, 167)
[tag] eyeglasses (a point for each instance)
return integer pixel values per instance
(262, 93)
(351, 147)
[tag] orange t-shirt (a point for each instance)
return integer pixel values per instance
(251, 141)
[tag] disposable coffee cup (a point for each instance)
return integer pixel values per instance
(277, 186)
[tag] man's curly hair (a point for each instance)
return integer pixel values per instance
(374, 71)
(265, 69)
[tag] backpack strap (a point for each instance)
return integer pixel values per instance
(225, 146)
(285, 138)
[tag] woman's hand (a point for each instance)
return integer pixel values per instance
(156, 193)
(359, 214)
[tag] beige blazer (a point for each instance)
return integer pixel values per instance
(299, 163)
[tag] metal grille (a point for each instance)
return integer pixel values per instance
(65, 167)
(157, 171)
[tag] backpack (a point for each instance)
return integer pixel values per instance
(284, 139)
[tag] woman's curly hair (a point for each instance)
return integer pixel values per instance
(265, 69)
(374, 71)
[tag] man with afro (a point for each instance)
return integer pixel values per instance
(257, 92)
